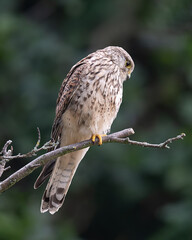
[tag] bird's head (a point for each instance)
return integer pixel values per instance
(122, 59)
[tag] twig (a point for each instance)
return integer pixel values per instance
(33, 152)
(7, 154)
(151, 145)
(118, 137)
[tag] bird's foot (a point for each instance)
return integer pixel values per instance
(94, 136)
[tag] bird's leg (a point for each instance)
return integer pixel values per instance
(94, 136)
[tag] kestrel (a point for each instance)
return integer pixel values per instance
(87, 104)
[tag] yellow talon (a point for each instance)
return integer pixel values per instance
(99, 137)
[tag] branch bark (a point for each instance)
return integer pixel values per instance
(118, 137)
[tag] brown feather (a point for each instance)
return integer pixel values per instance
(68, 87)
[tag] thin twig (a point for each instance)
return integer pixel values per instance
(7, 154)
(146, 144)
(5, 151)
(2, 167)
(33, 152)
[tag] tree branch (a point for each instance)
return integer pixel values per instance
(118, 137)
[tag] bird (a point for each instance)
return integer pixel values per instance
(88, 102)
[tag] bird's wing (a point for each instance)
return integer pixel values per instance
(68, 88)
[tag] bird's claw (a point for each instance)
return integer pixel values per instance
(94, 136)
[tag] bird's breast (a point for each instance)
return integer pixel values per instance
(95, 104)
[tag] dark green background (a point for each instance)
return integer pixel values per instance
(119, 192)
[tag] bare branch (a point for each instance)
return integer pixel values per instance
(151, 145)
(4, 150)
(118, 137)
(2, 167)
(7, 154)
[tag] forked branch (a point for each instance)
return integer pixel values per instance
(118, 137)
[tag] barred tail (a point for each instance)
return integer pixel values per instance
(60, 181)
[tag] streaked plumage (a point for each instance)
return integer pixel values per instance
(87, 104)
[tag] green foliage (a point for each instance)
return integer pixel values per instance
(119, 192)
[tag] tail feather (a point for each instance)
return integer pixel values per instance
(54, 202)
(45, 173)
(60, 181)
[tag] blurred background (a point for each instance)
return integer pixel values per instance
(119, 192)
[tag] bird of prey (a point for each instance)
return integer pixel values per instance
(87, 104)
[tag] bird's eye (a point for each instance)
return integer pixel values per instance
(128, 64)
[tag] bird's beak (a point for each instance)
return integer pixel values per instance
(129, 75)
